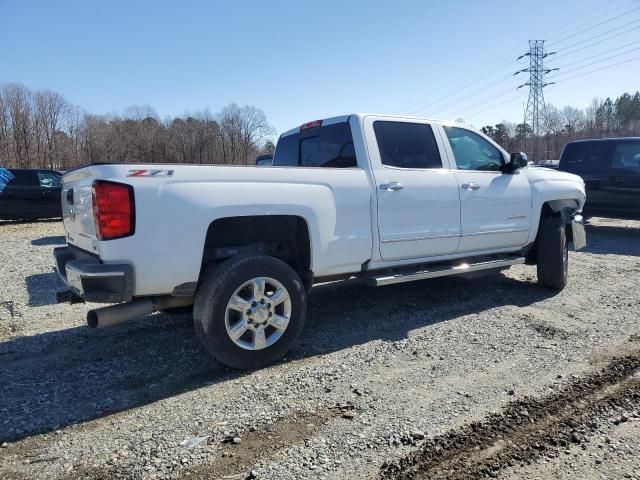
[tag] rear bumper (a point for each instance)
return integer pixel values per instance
(92, 280)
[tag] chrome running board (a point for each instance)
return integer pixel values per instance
(441, 271)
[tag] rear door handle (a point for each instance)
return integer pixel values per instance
(391, 186)
(470, 186)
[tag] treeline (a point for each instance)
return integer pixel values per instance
(602, 118)
(42, 129)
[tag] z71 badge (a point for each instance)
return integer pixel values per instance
(150, 173)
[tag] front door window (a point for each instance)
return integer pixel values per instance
(472, 152)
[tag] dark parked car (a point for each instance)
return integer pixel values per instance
(28, 194)
(610, 168)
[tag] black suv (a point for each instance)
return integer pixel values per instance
(610, 168)
(28, 194)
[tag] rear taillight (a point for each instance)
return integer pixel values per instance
(113, 210)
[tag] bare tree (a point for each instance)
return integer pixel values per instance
(139, 112)
(18, 100)
(574, 119)
(243, 131)
(591, 115)
(5, 131)
(254, 129)
(52, 112)
(553, 121)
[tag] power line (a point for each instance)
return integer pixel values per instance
(601, 53)
(606, 33)
(563, 53)
(477, 103)
(477, 112)
(469, 109)
(458, 99)
(470, 94)
(597, 69)
(598, 61)
(471, 112)
(531, 103)
(597, 25)
(492, 70)
(550, 34)
(484, 87)
(459, 89)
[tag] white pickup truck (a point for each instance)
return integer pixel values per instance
(383, 198)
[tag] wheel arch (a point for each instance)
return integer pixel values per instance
(564, 207)
(286, 237)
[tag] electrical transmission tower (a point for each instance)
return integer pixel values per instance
(536, 111)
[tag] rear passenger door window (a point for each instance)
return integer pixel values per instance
(407, 145)
(23, 178)
(626, 157)
(584, 158)
(472, 152)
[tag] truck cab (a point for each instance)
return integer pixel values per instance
(438, 188)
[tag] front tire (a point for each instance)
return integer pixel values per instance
(552, 253)
(249, 311)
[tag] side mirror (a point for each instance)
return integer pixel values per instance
(517, 160)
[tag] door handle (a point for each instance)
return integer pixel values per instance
(391, 186)
(470, 186)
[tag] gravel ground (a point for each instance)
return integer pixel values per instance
(378, 376)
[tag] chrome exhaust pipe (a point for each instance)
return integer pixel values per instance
(114, 314)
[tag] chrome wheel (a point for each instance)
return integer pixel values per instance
(258, 313)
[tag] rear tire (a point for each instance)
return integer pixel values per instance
(552, 253)
(271, 316)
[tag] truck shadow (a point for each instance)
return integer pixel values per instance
(42, 288)
(33, 220)
(55, 379)
(52, 240)
(341, 316)
(613, 240)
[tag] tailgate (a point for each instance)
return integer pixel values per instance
(77, 210)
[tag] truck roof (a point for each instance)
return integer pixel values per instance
(345, 118)
(608, 139)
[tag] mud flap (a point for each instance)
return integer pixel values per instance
(578, 232)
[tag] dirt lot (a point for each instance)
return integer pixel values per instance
(448, 378)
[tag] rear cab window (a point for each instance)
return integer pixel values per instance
(329, 146)
(584, 158)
